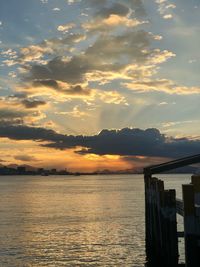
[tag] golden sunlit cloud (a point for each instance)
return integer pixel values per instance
(109, 23)
(163, 85)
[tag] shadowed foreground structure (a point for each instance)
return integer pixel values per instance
(161, 208)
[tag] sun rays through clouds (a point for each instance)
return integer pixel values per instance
(74, 68)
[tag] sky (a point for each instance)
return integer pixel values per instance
(90, 85)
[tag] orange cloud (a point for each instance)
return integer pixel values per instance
(50, 158)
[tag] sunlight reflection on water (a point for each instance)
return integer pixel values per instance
(72, 221)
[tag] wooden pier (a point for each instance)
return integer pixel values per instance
(161, 209)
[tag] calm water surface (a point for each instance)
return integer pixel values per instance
(74, 221)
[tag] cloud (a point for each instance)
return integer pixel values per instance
(70, 71)
(33, 53)
(70, 2)
(165, 8)
(46, 49)
(109, 23)
(103, 56)
(135, 142)
(110, 17)
(61, 87)
(9, 53)
(101, 60)
(29, 103)
(131, 46)
(6, 113)
(116, 9)
(138, 8)
(46, 83)
(9, 57)
(169, 124)
(161, 85)
(69, 65)
(124, 142)
(66, 27)
(107, 7)
(168, 16)
(75, 113)
(61, 92)
(21, 100)
(79, 65)
(17, 109)
(17, 116)
(56, 9)
(23, 132)
(112, 97)
(25, 158)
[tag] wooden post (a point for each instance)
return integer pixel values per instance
(169, 230)
(155, 238)
(191, 200)
(152, 231)
(147, 178)
(161, 227)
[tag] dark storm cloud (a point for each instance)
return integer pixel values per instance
(60, 87)
(21, 98)
(137, 142)
(125, 142)
(22, 132)
(33, 103)
(49, 83)
(79, 90)
(7, 114)
(98, 57)
(67, 71)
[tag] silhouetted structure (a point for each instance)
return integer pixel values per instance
(161, 207)
(21, 170)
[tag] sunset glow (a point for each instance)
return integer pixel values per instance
(91, 85)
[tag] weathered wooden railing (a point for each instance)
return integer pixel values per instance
(161, 208)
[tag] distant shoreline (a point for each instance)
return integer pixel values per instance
(91, 174)
(26, 170)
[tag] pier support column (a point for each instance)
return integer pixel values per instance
(191, 200)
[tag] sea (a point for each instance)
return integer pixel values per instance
(94, 220)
